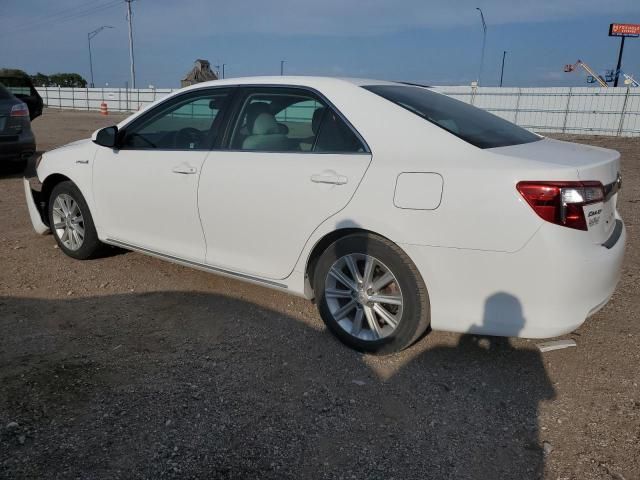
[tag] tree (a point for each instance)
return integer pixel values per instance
(12, 72)
(41, 80)
(67, 80)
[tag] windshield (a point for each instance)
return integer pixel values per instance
(473, 125)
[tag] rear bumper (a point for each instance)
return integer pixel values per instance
(34, 205)
(22, 148)
(546, 289)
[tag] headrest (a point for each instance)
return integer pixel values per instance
(265, 124)
(253, 110)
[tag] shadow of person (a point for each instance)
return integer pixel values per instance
(202, 385)
(482, 396)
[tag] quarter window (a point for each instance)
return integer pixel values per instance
(336, 136)
(190, 123)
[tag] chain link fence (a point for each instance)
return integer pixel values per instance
(578, 110)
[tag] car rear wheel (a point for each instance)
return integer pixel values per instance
(71, 223)
(370, 295)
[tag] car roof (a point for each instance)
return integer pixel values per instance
(301, 80)
(315, 82)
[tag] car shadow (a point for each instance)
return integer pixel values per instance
(196, 385)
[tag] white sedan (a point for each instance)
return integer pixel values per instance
(394, 207)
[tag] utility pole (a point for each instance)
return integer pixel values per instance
(223, 65)
(281, 67)
(484, 41)
(615, 81)
(90, 35)
(133, 64)
(504, 54)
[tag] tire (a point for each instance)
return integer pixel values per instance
(67, 206)
(373, 324)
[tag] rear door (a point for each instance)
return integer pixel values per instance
(292, 162)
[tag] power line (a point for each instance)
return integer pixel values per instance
(60, 17)
(64, 18)
(52, 15)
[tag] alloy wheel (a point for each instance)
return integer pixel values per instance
(364, 296)
(68, 222)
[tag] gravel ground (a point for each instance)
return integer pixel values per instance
(130, 367)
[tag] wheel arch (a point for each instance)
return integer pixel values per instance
(323, 243)
(48, 185)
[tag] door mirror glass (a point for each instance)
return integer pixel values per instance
(107, 137)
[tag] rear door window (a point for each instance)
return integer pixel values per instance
(277, 120)
(286, 119)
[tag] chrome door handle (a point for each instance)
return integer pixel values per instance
(331, 178)
(184, 170)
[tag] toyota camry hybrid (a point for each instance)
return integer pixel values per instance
(394, 207)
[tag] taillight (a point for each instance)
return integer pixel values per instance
(19, 110)
(562, 202)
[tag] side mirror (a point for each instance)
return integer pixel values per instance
(107, 137)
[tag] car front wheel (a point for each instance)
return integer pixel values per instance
(370, 294)
(71, 223)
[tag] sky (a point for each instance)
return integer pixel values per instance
(422, 41)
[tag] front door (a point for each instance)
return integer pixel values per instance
(146, 190)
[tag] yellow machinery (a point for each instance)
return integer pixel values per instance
(592, 75)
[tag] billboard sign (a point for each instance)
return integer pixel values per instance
(624, 30)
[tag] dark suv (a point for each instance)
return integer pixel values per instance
(17, 142)
(22, 87)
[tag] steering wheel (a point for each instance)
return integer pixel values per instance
(188, 137)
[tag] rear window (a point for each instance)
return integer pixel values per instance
(17, 85)
(471, 124)
(4, 93)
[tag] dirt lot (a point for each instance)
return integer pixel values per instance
(130, 367)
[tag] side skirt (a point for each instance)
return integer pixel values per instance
(199, 266)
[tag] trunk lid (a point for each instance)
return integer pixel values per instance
(590, 164)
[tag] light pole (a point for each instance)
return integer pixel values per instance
(504, 54)
(484, 41)
(281, 67)
(223, 65)
(90, 35)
